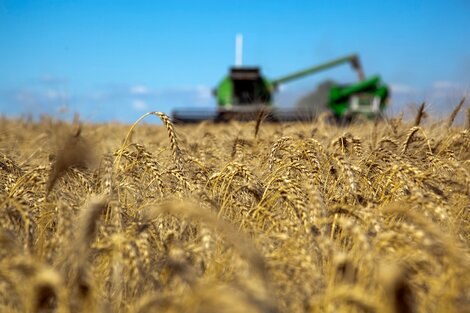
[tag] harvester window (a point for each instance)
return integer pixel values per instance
(247, 86)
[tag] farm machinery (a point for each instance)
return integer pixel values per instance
(245, 93)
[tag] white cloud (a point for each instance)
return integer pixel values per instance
(138, 104)
(28, 96)
(204, 93)
(51, 79)
(103, 101)
(445, 84)
(25, 96)
(402, 88)
(448, 91)
(139, 90)
(55, 95)
(282, 87)
(98, 96)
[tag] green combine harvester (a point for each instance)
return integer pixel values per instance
(245, 92)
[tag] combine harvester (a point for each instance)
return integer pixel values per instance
(245, 93)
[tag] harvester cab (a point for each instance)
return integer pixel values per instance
(248, 87)
(242, 94)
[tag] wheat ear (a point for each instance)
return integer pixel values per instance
(454, 113)
(177, 155)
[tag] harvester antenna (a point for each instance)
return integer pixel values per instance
(239, 50)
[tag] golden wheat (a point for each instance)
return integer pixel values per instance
(240, 217)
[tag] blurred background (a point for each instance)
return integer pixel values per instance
(115, 60)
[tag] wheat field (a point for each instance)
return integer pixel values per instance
(237, 217)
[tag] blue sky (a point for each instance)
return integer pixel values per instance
(115, 60)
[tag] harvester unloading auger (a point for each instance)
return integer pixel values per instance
(245, 92)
